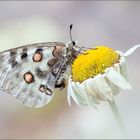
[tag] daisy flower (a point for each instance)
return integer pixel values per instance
(98, 75)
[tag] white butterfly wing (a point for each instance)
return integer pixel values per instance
(20, 74)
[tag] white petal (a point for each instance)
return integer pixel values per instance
(96, 86)
(115, 89)
(71, 92)
(86, 95)
(123, 69)
(131, 50)
(120, 53)
(117, 79)
(103, 87)
(68, 96)
(117, 67)
(78, 93)
(92, 89)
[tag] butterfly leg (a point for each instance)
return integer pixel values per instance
(61, 83)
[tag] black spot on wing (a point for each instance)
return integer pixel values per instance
(12, 60)
(40, 74)
(39, 50)
(25, 49)
(13, 52)
(14, 63)
(24, 55)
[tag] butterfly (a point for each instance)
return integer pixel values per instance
(32, 72)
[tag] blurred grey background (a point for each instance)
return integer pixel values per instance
(112, 23)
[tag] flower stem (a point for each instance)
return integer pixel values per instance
(118, 118)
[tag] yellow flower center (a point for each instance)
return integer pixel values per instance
(92, 62)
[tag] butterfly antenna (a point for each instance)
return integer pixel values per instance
(73, 42)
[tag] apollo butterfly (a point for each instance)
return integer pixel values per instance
(30, 73)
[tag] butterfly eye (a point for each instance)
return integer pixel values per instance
(42, 88)
(37, 57)
(28, 77)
